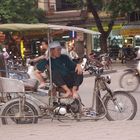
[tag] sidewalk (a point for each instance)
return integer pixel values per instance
(99, 130)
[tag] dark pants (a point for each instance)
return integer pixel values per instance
(73, 79)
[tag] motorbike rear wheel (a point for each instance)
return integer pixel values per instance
(129, 81)
(123, 106)
(11, 114)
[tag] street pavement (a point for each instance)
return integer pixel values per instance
(84, 130)
(100, 130)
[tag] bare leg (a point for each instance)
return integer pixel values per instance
(68, 91)
(40, 78)
(74, 92)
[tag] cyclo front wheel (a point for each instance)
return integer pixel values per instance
(10, 114)
(123, 106)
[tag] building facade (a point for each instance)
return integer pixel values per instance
(63, 13)
(131, 30)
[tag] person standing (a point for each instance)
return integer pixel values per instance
(2, 65)
(73, 55)
(79, 48)
(5, 54)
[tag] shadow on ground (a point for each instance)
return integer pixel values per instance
(131, 64)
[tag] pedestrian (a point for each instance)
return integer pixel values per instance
(73, 55)
(5, 54)
(64, 49)
(79, 49)
(2, 65)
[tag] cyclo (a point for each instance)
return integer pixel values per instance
(23, 107)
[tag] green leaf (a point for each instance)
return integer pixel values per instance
(23, 11)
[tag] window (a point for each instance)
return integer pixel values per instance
(134, 16)
(137, 41)
(63, 5)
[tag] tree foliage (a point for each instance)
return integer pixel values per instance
(20, 11)
(121, 7)
(115, 8)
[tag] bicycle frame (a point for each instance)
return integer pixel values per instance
(100, 84)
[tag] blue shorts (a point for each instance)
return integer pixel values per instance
(41, 66)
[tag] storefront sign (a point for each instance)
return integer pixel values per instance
(130, 32)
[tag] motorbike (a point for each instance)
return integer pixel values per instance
(102, 60)
(26, 107)
(106, 61)
(130, 79)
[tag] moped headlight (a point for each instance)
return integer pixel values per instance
(108, 79)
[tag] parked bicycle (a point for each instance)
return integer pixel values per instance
(27, 107)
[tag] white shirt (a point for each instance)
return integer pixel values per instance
(73, 55)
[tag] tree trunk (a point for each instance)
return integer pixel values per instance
(103, 42)
(104, 34)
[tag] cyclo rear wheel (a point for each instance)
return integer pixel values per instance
(11, 111)
(123, 106)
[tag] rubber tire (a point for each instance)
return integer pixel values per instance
(17, 102)
(121, 80)
(134, 103)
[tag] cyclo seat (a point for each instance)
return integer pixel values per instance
(30, 84)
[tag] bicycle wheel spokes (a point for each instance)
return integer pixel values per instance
(123, 108)
(11, 115)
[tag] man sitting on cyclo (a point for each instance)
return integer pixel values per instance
(65, 73)
(40, 64)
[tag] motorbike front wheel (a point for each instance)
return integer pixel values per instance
(122, 106)
(129, 81)
(11, 114)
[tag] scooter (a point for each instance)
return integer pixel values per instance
(130, 80)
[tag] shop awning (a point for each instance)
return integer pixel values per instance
(130, 30)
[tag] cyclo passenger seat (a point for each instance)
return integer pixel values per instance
(30, 84)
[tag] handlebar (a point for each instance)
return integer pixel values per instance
(98, 71)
